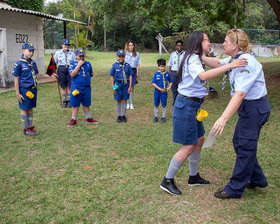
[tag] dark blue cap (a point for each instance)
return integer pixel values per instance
(65, 41)
(120, 52)
(80, 51)
(28, 46)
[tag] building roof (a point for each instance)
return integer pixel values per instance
(7, 7)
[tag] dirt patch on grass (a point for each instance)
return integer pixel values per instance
(273, 80)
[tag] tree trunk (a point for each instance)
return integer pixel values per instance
(275, 5)
(105, 44)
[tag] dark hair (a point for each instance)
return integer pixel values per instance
(161, 61)
(179, 41)
(194, 45)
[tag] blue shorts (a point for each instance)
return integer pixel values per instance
(134, 75)
(64, 77)
(159, 96)
(186, 129)
(27, 103)
(122, 93)
(83, 97)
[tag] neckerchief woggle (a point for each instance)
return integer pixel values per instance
(32, 70)
(122, 66)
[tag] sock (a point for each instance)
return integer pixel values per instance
(30, 119)
(156, 111)
(124, 108)
(118, 107)
(193, 163)
(164, 112)
(131, 98)
(74, 117)
(174, 167)
(64, 97)
(24, 120)
(88, 115)
(68, 97)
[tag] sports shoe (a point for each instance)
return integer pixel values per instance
(197, 180)
(252, 186)
(169, 186)
(34, 131)
(131, 107)
(163, 120)
(64, 104)
(127, 106)
(91, 121)
(222, 194)
(119, 119)
(27, 131)
(72, 123)
(124, 119)
(155, 120)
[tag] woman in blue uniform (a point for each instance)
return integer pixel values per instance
(248, 97)
(187, 131)
(132, 57)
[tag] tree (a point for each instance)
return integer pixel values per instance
(35, 5)
(275, 5)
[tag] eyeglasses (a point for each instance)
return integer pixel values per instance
(235, 30)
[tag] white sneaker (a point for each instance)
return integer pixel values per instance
(127, 106)
(131, 107)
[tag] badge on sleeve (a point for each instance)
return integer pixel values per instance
(245, 70)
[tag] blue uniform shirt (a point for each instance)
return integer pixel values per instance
(24, 68)
(159, 79)
(60, 57)
(131, 60)
(191, 85)
(84, 74)
(249, 79)
(117, 71)
(175, 60)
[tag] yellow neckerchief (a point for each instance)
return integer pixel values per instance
(164, 81)
(179, 54)
(32, 69)
(122, 66)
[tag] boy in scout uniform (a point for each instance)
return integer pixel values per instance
(63, 59)
(25, 80)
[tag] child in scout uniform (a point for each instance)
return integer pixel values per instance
(63, 59)
(175, 60)
(160, 82)
(25, 80)
(81, 73)
(121, 81)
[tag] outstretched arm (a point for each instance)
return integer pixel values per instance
(212, 62)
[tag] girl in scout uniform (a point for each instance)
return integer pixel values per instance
(249, 98)
(133, 59)
(121, 82)
(187, 130)
(81, 73)
(25, 80)
(160, 82)
(175, 60)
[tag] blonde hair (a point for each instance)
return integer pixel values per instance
(239, 37)
(134, 49)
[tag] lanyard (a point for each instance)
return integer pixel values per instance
(122, 67)
(32, 70)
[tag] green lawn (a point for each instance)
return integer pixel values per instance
(110, 173)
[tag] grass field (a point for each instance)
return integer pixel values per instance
(110, 173)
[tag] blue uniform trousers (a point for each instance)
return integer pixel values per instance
(253, 114)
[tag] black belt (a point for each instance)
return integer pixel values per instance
(134, 68)
(31, 87)
(196, 99)
(121, 81)
(175, 71)
(256, 99)
(66, 66)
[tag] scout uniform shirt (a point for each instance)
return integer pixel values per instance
(64, 58)
(175, 60)
(131, 60)
(82, 79)
(121, 72)
(27, 71)
(161, 80)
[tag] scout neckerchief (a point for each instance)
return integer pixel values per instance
(163, 78)
(122, 65)
(227, 72)
(32, 69)
(66, 61)
(83, 71)
(178, 59)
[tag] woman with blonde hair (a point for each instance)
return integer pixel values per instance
(132, 57)
(249, 98)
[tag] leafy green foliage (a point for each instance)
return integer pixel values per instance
(35, 5)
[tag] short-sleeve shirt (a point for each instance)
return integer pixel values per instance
(175, 60)
(192, 85)
(60, 57)
(249, 79)
(131, 60)
(159, 79)
(117, 71)
(23, 69)
(84, 74)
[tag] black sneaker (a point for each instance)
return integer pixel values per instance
(64, 104)
(223, 195)
(124, 119)
(252, 186)
(119, 119)
(155, 120)
(163, 120)
(197, 180)
(169, 186)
